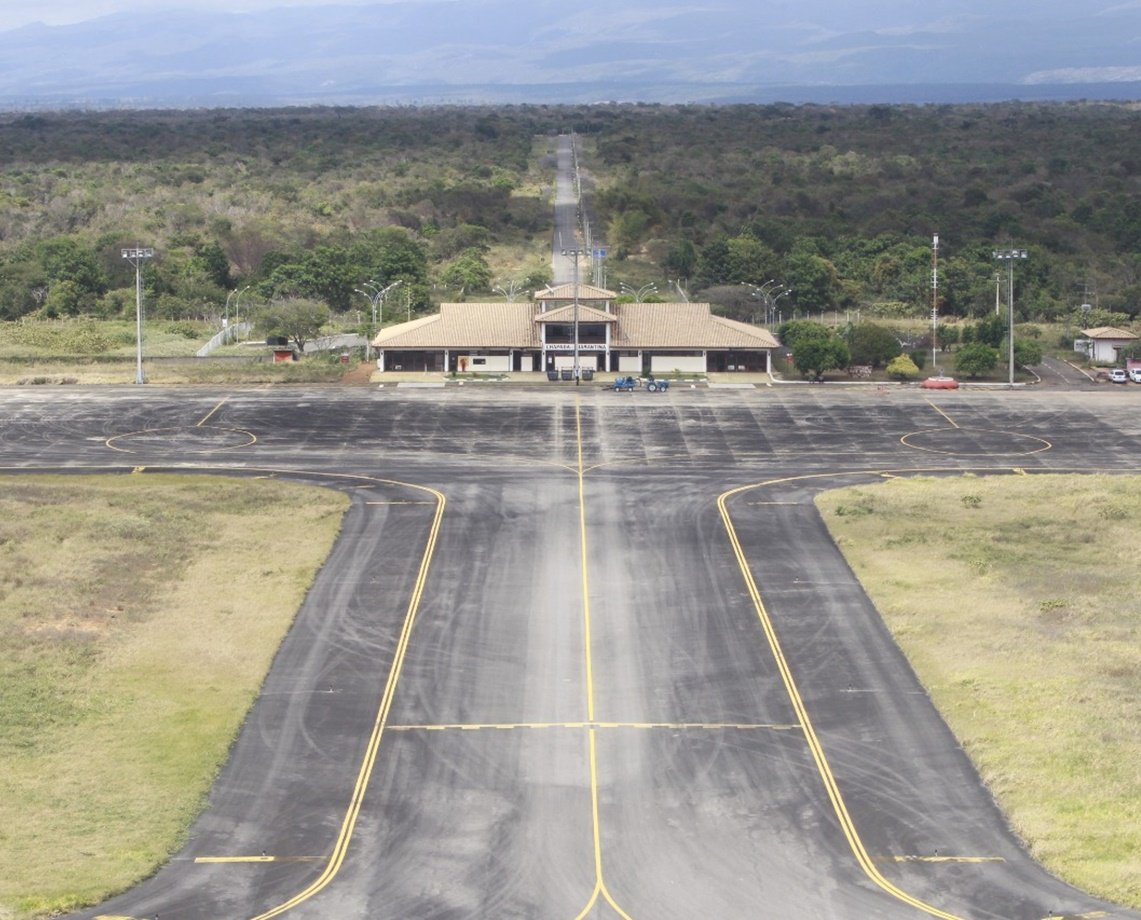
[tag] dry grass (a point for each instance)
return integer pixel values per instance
(202, 372)
(138, 617)
(1018, 601)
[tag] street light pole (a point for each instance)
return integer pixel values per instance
(575, 253)
(137, 257)
(1009, 255)
(934, 301)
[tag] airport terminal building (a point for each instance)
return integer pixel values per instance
(537, 336)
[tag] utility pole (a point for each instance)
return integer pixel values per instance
(137, 257)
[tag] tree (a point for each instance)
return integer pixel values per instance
(902, 368)
(298, 320)
(815, 354)
(1027, 353)
(870, 343)
(976, 359)
(468, 272)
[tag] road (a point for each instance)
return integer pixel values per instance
(567, 238)
(588, 654)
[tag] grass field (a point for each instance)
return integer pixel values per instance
(138, 617)
(1018, 601)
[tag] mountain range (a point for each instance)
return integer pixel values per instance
(520, 51)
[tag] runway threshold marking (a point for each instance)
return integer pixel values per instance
(600, 889)
(209, 414)
(817, 749)
(341, 845)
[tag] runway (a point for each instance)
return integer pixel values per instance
(582, 654)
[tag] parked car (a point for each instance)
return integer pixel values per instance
(1135, 375)
(1118, 375)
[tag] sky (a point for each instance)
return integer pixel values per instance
(65, 12)
(218, 50)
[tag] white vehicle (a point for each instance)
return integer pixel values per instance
(1117, 375)
(1135, 374)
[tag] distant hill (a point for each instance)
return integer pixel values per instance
(511, 51)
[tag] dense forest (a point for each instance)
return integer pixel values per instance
(836, 204)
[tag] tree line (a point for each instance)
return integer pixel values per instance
(837, 203)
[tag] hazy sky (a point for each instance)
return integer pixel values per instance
(878, 13)
(62, 12)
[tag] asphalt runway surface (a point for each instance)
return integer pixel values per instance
(584, 654)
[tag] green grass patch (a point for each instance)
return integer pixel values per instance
(138, 618)
(1023, 620)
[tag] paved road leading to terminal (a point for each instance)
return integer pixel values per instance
(588, 654)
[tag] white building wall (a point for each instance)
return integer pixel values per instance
(687, 364)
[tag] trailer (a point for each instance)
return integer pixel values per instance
(629, 384)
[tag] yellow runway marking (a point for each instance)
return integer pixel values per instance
(209, 860)
(817, 749)
(399, 503)
(942, 413)
(207, 416)
(600, 888)
(341, 846)
(669, 726)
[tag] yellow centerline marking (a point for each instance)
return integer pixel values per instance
(948, 859)
(599, 882)
(207, 416)
(341, 846)
(831, 786)
(400, 503)
(211, 860)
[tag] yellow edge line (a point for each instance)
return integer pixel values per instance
(818, 755)
(340, 849)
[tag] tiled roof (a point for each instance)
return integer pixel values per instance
(518, 325)
(567, 292)
(585, 315)
(1108, 332)
(684, 325)
(466, 325)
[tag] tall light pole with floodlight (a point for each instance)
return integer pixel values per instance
(137, 257)
(1009, 256)
(575, 253)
